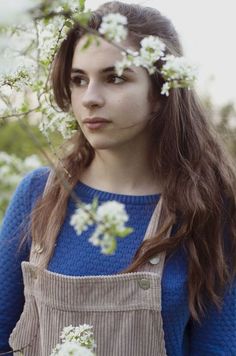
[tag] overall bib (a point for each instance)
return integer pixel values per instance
(124, 309)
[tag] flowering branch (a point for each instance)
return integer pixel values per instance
(176, 71)
(110, 218)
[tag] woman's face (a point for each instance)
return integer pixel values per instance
(97, 93)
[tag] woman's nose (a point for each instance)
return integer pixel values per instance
(93, 96)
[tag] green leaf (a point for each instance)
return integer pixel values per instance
(95, 204)
(125, 232)
(82, 5)
(24, 107)
(68, 23)
(46, 21)
(83, 18)
(90, 39)
(66, 7)
(111, 248)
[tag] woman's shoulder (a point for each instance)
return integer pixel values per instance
(30, 187)
(33, 182)
(37, 175)
(22, 201)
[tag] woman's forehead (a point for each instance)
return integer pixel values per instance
(97, 55)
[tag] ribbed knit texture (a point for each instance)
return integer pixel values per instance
(75, 256)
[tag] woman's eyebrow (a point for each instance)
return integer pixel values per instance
(102, 71)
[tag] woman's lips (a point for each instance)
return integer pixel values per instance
(96, 123)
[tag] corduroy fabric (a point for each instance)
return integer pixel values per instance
(124, 309)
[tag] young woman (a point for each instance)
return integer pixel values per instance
(169, 289)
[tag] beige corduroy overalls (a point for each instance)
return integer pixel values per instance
(124, 309)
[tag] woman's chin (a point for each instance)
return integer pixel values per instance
(102, 145)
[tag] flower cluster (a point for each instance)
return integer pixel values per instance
(12, 168)
(19, 78)
(152, 49)
(48, 39)
(26, 86)
(53, 120)
(176, 71)
(113, 27)
(130, 58)
(76, 341)
(110, 218)
(83, 218)
(71, 348)
(64, 5)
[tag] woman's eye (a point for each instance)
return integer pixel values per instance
(115, 79)
(78, 81)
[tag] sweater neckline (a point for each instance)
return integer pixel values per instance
(84, 190)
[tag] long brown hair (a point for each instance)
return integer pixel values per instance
(200, 182)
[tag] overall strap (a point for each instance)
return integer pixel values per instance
(154, 222)
(155, 263)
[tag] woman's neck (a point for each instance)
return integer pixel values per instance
(119, 173)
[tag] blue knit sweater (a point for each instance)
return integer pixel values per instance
(77, 257)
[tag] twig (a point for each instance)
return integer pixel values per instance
(19, 114)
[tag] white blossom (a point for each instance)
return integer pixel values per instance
(5, 157)
(57, 121)
(113, 27)
(112, 212)
(60, 5)
(10, 164)
(178, 71)
(81, 219)
(54, 120)
(71, 348)
(82, 334)
(106, 240)
(14, 43)
(129, 59)
(31, 162)
(94, 238)
(152, 49)
(49, 38)
(18, 78)
(76, 341)
(109, 218)
(165, 89)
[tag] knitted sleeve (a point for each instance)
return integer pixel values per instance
(217, 333)
(216, 336)
(14, 222)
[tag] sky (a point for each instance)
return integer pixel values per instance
(207, 29)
